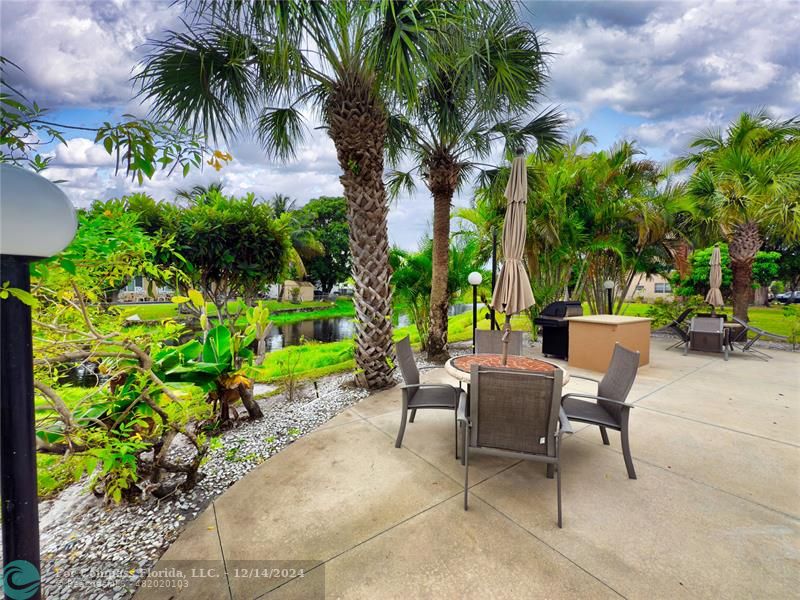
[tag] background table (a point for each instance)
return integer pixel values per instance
(460, 366)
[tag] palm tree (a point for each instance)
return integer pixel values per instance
(489, 78)
(749, 180)
(198, 193)
(281, 203)
(305, 245)
(243, 64)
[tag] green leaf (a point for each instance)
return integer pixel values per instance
(197, 298)
(179, 299)
(217, 348)
(108, 143)
(68, 266)
(23, 296)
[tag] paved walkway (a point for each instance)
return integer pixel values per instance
(715, 512)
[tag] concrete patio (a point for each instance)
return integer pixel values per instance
(715, 511)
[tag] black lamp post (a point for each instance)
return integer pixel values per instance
(608, 284)
(492, 322)
(475, 280)
(38, 221)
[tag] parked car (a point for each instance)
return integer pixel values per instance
(789, 297)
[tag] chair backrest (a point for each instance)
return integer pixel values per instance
(707, 325)
(722, 316)
(408, 366)
(491, 342)
(682, 317)
(618, 380)
(514, 410)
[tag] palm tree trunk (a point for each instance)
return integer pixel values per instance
(358, 129)
(437, 333)
(744, 244)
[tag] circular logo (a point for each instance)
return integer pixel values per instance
(20, 580)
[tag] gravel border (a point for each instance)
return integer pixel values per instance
(121, 543)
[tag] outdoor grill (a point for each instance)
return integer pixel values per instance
(555, 327)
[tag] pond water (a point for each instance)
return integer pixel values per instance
(333, 330)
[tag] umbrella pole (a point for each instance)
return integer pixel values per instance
(506, 335)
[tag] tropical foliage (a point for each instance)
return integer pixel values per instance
(412, 279)
(591, 217)
(326, 218)
(487, 79)
(747, 180)
(765, 271)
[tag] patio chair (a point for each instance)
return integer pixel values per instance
(491, 342)
(418, 395)
(676, 328)
(607, 409)
(707, 334)
(746, 345)
(514, 414)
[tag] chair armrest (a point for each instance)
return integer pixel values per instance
(573, 376)
(461, 411)
(594, 397)
(565, 426)
(408, 386)
(456, 391)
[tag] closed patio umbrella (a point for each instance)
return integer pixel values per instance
(513, 292)
(714, 295)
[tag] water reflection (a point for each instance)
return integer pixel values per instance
(334, 330)
(319, 330)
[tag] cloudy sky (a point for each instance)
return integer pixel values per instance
(653, 71)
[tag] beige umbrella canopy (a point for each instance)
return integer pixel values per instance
(714, 295)
(513, 291)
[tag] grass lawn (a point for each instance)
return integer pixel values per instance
(768, 318)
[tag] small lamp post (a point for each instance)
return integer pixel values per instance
(37, 220)
(475, 280)
(608, 284)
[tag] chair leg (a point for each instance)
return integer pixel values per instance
(402, 431)
(466, 466)
(604, 435)
(626, 452)
(455, 415)
(413, 414)
(558, 491)
(549, 470)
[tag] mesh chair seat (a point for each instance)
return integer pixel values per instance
(429, 397)
(588, 412)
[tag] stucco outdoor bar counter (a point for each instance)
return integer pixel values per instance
(592, 339)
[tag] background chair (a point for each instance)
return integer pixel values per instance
(421, 395)
(514, 414)
(491, 342)
(707, 334)
(677, 329)
(746, 345)
(607, 408)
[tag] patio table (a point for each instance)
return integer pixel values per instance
(460, 366)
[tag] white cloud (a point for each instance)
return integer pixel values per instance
(78, 53)
(81, 152)
(676, 58)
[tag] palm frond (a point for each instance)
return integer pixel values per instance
(280, 131)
